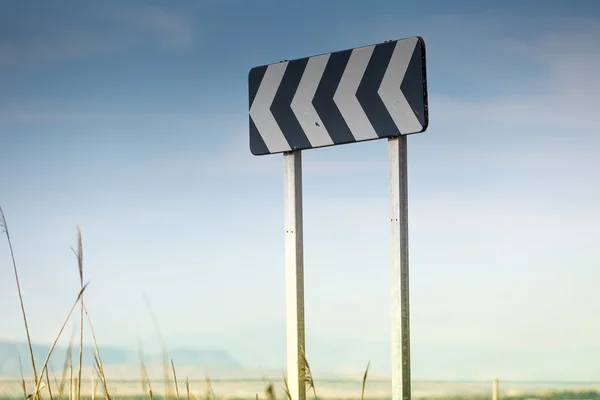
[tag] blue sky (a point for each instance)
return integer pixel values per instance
(129, 119)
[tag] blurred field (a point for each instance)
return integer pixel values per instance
(326, 389)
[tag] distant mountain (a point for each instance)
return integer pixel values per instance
(111, 356)
(262, 346)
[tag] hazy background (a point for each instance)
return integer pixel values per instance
(130, 119)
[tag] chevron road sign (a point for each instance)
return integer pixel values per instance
(366, 93)
(348, 96)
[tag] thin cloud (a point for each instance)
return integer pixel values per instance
(169, 28)
(42, 112)
(563, 95)
(558, 112)
(73, 44)
(102, 32)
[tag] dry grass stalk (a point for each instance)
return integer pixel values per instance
(145, 382)
(286, 388)
(66, 367)
(145, 379)
(187, 387)
(175, 379)
(210, 393)
(96, 353)
(22, 377)
(4, 228)
(308, 378)
(269, 388)
(364, 381)
(100, 371)
(94, 385)
(79, 255)
(44, 366)
(71, 391)
(49, 386)
(31, 395)
(165, 356)
(148, 380)
(55, 380)
(269, 391)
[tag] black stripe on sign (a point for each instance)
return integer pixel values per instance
(323, 101)
(255, 77)
(257, 144)
(367, 94)
(413, 85)
(281, 107)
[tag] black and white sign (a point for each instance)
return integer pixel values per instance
(348, 96)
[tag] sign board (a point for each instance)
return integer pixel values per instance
(347, 96)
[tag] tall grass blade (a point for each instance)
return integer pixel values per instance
(269, 391)
(44, 366)
(100, 370)
(71, 381)
(286, 388)
(31, 395)
(97, 366)
(210, 393)
(364, 381)
(187, 387)
(67, 363)
(79, 256)
(4, 228)
(95, 384)
(143, 372)
(23, 385)
(165, 356)
(146, 384)
(96, 353)
(308, 378)
(56, 382)
(175, 379)
(49, 386)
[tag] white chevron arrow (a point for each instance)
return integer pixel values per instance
(389, 90)
(345, 95)
(261, 113)
(302, 102)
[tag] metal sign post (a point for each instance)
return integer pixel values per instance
(398, 203)
(294, 270)
(366, 93)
